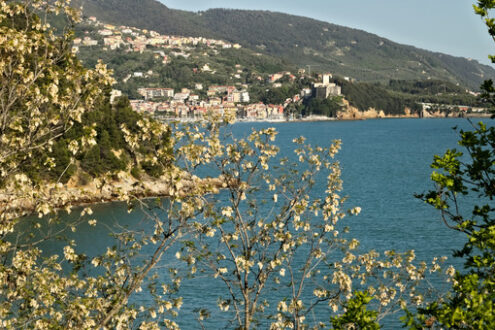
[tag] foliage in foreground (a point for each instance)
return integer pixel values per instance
(470, 304)
(47, 99)
(278, 228)
(275, 230)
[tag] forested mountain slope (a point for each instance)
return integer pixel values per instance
(303, 41)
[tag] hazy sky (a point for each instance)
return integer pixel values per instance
(447, 26)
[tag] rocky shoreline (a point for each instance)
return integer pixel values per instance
(122, 187)
(18, 202)
(352, 113)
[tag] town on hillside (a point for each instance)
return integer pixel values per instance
(185, 104)
(200, 98)
(211, 82)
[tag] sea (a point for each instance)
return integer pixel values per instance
(384, 163)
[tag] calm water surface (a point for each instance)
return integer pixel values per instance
(384, 163)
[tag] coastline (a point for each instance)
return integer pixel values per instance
(351, 114)
(123, 188)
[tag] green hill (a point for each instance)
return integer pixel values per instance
(303, 41)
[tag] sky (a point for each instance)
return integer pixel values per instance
(447, 26)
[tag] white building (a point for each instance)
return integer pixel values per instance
(105, 32)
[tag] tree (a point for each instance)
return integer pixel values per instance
(45, 94)
(357, 314)
(327, 107)
(263, 236)
(483, 9)
(471, 302)
(460, 175)
(273, 229)
(44, 90)
(270, 221)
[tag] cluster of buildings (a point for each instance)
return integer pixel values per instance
(324, 89)
(184, 104)
(137, 40)
(197, 109)
(221, 99)
(232, 94)
(166, 102)
(229, 93)
(188, 103)
(450, 107)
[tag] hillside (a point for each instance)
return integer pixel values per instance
(211, 75)
(177, 62)
(303, 41)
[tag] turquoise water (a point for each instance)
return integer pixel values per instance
(384, 163)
